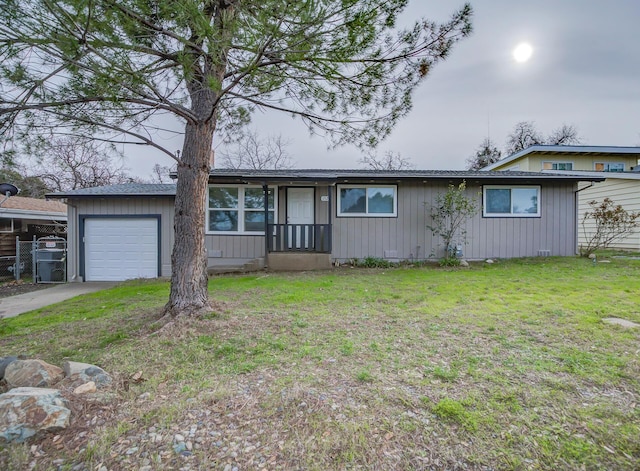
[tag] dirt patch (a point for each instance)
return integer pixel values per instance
(13, 288)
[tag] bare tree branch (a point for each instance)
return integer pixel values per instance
(389, 161)
(251, 151)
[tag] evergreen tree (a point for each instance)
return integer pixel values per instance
(111, 68)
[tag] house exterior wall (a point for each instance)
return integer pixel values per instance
(625, 192)
(233, 249)
(82, 207)
(533, 162)
(406, 236)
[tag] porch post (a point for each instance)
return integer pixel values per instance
(265, 190)
(16, 260)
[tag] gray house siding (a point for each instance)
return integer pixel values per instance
(402, 237)
(233, 249)
(406, 236)
(82, 208)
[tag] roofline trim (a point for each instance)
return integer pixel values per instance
(106, 195)
(505, 175)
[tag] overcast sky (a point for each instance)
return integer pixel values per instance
(584, 71)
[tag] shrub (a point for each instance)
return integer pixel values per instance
(449, 214)
(374, 262)
(608, 222)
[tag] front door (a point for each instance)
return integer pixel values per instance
(300, 213)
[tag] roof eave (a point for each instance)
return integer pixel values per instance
(107, 195)
(501, 176)
(32, 215)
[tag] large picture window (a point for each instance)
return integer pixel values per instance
(511, 201)
(367, 200)
(239, 209)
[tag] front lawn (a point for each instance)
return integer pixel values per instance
(503, 366)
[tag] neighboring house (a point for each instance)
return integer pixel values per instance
(28, 217)
(23, 219)
(318, 217)
(617, 164)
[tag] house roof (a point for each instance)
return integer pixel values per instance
(19, 207)
(122, 190)
(567, 150)
(364, 176)
(319, 175)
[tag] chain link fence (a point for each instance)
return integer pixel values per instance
(24, 260)
(41, 260)
(17, 266)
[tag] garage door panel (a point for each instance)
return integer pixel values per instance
(120, 248)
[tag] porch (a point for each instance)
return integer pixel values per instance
(315, 238)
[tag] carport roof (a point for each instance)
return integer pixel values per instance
(20, 207)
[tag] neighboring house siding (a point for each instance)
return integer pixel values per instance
(125, 207)
(533, 162)
(407, 237)
(621, 191)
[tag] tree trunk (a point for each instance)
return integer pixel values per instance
(189, 295)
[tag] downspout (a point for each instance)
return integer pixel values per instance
(265, 190)
(329, 193)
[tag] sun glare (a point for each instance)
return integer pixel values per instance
(522, 52)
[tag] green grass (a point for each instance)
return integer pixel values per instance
(504, 366)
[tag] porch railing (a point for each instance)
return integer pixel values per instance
(299, 238)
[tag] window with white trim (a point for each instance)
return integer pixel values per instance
(239, 209)
(511, 201)
(367, 200)
(609, 166)
(557, 165)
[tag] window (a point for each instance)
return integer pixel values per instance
(609, 166)
(367, 201)
(517, 201)
(239, 209)
(557, 165)
(6, 225)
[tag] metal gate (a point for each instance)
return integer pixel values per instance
(50, 260)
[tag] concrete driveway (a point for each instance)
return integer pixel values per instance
(14, 305)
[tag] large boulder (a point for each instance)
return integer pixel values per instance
(32, 373)
(84, 372)
(26, 411)
(4, 362)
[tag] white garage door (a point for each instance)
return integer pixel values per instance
(120, 248)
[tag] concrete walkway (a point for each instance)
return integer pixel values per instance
(14, 305)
